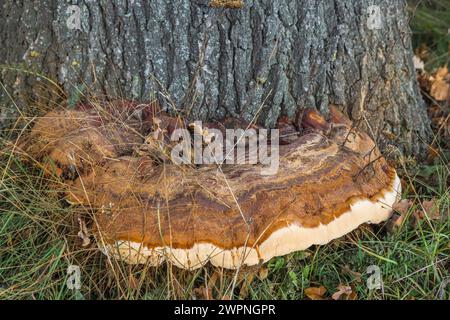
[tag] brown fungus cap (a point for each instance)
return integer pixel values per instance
(331, 179)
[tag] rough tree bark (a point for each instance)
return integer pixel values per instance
(269, 58)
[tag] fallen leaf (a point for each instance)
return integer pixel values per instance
(424, 82)
(417, 215)
(344, 293)
(428, 209)
(395, 222)
(439, 90)
(397, 219)
(356, 275)
(315, 293)
(403, 206)
(203, 293)
(431, 209)
(83, 233)
(441, 73)
(243, 292)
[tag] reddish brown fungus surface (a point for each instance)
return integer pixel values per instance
(145, 208)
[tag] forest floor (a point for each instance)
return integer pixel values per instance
(408, 257)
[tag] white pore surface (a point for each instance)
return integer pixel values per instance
(283, 241)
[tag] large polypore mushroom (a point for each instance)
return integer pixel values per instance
(146, 209)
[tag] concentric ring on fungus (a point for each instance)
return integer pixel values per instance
(331, 179)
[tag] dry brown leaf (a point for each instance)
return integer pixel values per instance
(263, 273)
(356, 275)
(441, 73)
(403, 206)
(343, 293)
(395, 222)
(203, 293)
(424, 82)
(397, 219)
(83, 233)
(243, 292)
(431, 209)
(417, 216)
(439, 90)
(315, 293)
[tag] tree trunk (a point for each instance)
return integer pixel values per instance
(267, 59)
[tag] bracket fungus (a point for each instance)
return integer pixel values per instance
(147, 209)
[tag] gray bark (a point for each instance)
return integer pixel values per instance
(267, 59)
